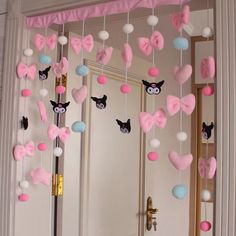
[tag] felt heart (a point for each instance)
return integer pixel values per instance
(180, 162)
(79, 95)
(182, 74)
(207, 167)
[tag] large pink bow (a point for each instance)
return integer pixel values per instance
(62, 133)
(86, 43)
(181, 18)
(60, 68)
(207, 67)
(187, 104)
(21, 151)
(103, 55)
(146, 45)
(23, 70)
(40, 41)
(147, 120)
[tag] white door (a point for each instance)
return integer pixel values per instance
(113, 162)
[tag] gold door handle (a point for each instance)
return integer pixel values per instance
(149, 214)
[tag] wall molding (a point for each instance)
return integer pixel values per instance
(226, 117)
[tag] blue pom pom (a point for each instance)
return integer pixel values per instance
(44, 59)
(181, 43)
(82, 70)
(78, 126)
(179, 191)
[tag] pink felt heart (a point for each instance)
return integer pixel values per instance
(79, 95)
(182, 74)
(180, 162)
(207, 167)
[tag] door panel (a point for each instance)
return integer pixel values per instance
(114, 162)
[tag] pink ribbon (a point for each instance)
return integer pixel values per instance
(187, 104)
(60, 68)
(62, 133)
(23, 70)
(147, 120)
(42, 111)
(86, 43)
(181, 18)
(146, 45)
(21, 151)
(127, 55)
(103, 55)
(40, 41)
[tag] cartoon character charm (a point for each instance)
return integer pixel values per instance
(100, 102)
(125, 127)
(43, 74)
(153, 88)
(59, 108)
(207, 129)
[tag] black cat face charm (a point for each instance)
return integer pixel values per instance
(24, 124)
(43, 74)
(125, 127)
(100, 102)
(153, 88)
(59, 108)
(206, 130)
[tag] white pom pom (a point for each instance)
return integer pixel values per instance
(207, 32)
(43, 92)
(128, 28)
(154, 143)
(62, 40)
(181, 136)
(28, 52)
(24, 184)
(205, 195)
(103, 35)
(152, 20)
(57, 151)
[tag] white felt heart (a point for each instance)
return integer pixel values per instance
(180, 162)
(79, 95)
(182, 74)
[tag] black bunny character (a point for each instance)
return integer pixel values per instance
(24, 123)
(100, 102)
(206, 130)
(153, 88)
(125, 127)
(59, 108)
(43, 74)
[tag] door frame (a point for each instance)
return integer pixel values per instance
(225, 113)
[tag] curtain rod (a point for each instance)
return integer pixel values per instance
(97, 10)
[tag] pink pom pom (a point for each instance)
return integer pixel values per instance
(152, 156)
(153, 71)
(208, 90)
(101, 79)
(205, 225)
(60, 89)
(26, 92)
(23, 197)
(125, 88)
(42, 147)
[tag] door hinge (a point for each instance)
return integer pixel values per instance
(57, 185)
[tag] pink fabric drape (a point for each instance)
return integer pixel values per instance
(108, 8)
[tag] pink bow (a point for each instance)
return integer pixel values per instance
(60, 68)
(147, 120)
(23, 70)
(42, 111)
(40, 41)
(207, 167)
(86, 43)
(103, 55)
(146, 45)
(187, 104)
(207, 67)
(181, 18)
(127, 55)
(21, 151)
(62, 133)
